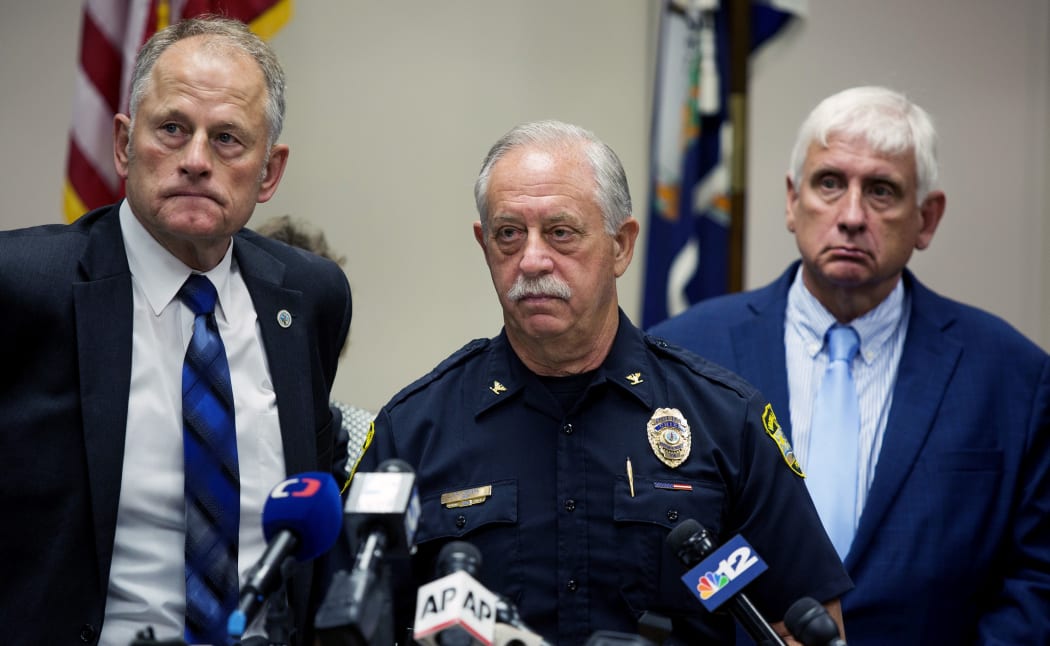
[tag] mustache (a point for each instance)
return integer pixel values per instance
(545, 286)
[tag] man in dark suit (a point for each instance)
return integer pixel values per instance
(950, 526)
(91, 404)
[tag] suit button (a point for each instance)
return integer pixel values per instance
(570, 505)
(88, 634)
(571, 585)
(672, 515)
(567, 429)
(461, 522)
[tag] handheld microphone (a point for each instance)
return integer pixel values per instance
(382, 512)
(718, 576)
(809, 621)
(510, 630)
(300, 520)
(454, 609)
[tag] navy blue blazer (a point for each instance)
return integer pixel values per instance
(953, 545)
(65, 366)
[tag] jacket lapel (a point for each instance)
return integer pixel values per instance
(758, 345)
(287, 351)
(103, 310)
(928, 360)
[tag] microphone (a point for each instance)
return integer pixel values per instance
(509, 635)
(510, 630)
(301, 519)
(718, 576)
(454, 609)
(382, 511)
(809, 621)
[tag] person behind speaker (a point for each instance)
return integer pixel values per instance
(355, 423)
(91, 399)
(543, 445)
(951, 517)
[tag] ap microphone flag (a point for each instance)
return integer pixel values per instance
(456, 608)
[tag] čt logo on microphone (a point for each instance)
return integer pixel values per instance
(296, 488)
(724, 573)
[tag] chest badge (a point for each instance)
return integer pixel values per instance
(669, 436)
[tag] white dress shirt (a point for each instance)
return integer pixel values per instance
(147, 576)
(874, 368)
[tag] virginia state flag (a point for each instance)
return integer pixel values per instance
(111, 33)
(687, 256)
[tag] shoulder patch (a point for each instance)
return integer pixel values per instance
(772, 426)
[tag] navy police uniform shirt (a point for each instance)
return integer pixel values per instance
(544, 493)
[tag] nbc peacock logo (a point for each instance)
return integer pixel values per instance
(711, 583)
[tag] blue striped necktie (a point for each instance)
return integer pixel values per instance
(831, 474)
(212, 481)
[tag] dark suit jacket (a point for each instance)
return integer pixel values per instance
(65, 366)
(953, 545)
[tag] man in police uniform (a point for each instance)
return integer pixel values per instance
(567, 447)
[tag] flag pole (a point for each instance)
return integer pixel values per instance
(739, 50)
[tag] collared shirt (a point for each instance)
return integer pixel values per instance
(147, 576)
(874, 369)
(560, 531)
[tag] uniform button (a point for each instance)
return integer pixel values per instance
(567, 429)
(672, 515)
(571, 585)
(570, 505)
(461, 521)
(88, 634)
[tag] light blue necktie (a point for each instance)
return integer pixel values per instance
(211, 471)
(831, 474)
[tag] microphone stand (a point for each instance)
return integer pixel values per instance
(357, 607)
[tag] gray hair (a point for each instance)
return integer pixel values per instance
(611, 192)
(885, 119)
(223, 32)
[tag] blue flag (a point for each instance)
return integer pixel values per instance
(687, 256)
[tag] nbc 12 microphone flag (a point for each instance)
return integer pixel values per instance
(687, 253)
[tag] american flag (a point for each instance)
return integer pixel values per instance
(111, 33)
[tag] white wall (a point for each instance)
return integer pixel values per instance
(392, 106)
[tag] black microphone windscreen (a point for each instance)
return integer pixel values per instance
(809, 622)
(690, 542)
(457, 556)
(685, 530)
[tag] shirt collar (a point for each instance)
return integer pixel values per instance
(160, 274)
(627, 366)
(811, 319)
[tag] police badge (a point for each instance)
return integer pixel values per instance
(669, 436)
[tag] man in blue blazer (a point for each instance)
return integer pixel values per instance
(91, 428)
(952, 517)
